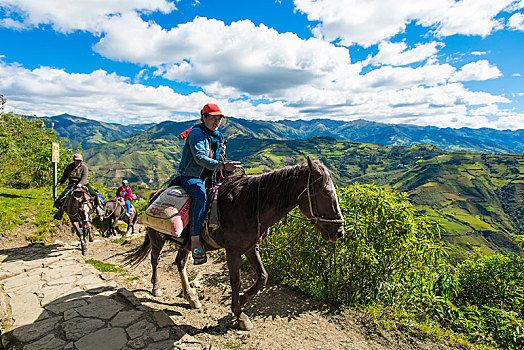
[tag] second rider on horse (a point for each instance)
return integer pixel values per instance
(124, 193)
(76, 173)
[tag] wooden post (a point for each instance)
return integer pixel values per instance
(55, 158)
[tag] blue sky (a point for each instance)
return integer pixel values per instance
(429, 62)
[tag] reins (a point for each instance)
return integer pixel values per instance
(114, 210)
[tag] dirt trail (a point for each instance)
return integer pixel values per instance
(282, 318)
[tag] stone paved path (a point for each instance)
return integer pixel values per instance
(51, 299)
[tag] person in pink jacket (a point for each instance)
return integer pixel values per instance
(125, 193)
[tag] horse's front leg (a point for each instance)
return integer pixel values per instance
(80, 233)
(233, 263)
(253, 257)
(189, 293)
(157, 242)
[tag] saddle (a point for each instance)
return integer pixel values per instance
(80, 194)
(209, 226)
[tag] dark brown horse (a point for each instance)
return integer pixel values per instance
(114, 210)
(79, 208)
(249, 206)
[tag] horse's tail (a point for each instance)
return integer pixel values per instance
(137, 255)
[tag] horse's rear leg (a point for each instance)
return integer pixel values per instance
(233, 263)
(157, 243)
(253, 257)
(131, 224)
(114, 221)
(189, 293)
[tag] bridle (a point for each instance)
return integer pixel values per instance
(312, 219)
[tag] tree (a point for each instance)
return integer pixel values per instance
(25, 151)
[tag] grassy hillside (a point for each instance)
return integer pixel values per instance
(148, 158)
(468, 194)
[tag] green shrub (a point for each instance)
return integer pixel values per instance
(493, 281)
(385, 253)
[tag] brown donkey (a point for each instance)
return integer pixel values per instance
(80, 207)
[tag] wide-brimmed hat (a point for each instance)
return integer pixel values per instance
(78, 156)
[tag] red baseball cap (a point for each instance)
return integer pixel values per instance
(211, 109)
(78, 156)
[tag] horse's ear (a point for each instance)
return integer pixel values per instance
(310, 163)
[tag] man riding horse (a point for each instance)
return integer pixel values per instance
(76, 173)
(200, 160)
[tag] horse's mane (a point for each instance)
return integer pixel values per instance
(275, 188)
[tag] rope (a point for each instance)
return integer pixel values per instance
(299, 234)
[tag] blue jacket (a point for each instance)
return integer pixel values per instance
(197, 155)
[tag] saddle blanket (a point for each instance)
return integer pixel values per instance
(169, 213)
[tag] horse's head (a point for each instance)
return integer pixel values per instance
(319, 202)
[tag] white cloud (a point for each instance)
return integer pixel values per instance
(109, 97)
(516, 21)
(70, 15)
(479, 70)
(368, 22)
(516, 75)
(98, 95)
(243, 57)
(398, 54)
(485, 110)
(509, 120)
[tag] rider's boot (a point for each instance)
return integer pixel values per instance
(197, 251)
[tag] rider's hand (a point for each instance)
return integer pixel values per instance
(230, 165)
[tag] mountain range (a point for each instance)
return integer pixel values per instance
(90, 133)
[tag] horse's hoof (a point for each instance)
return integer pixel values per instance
(244, 323)
(195, 304)
(157, 292)
(91, 239)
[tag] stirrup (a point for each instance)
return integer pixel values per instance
(199, 256)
